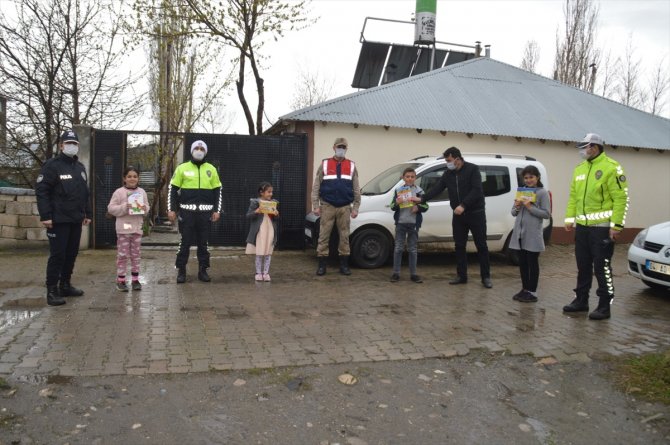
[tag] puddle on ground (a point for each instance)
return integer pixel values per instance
(9, 318)
(25, 303)
(41, 379)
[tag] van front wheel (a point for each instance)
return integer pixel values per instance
(370, 248)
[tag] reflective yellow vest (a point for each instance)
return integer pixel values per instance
(598, 194)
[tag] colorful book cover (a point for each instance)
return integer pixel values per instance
(269, 207)
(405, 194)
(526, 194)
(136, 201)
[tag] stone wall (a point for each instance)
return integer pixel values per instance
(19, 220)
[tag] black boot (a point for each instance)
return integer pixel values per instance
(67, 290)
(53, 297)
(344, 265)
(579, 304)
(203, 275)
(602, 312)
(181, 275)
(322, 266)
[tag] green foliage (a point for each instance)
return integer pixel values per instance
(647, 375)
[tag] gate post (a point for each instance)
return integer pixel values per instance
(85, 156)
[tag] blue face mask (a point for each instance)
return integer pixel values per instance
(340, 152)
(584, 153)
(451, 165)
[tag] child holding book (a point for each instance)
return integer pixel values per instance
(263, 230)
(407, 208)
(531, 206)
(129, 204)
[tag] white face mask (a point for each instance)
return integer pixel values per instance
(198, 155)
(584, 153)
(451, 165)
(340, 152)
(70, 149)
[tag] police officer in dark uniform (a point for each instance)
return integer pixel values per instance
(194, 192)
(64, 206)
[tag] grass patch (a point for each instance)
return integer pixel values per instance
(4, 384)
(259, 371)
(647, 375)
(8, 420)
(282, 376)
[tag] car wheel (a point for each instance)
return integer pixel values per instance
(655, 285)
(370, 248)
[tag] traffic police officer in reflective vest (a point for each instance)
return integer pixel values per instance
(64, 206)
(597, 207)
(336, 197)
(195, 193)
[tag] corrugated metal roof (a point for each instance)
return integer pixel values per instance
(485, 96)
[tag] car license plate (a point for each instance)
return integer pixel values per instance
(658, 267)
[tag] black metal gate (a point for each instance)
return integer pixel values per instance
(108, 158)
(243, 162)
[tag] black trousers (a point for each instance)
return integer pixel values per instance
(476, 224)
(194, 228)
(63, 249)
(594, 250)
(529, 267)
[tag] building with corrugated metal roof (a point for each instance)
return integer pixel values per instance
(486, 106)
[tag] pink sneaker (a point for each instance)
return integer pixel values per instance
(259, 277)
(266, 277)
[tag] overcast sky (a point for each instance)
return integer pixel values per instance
(330, 47)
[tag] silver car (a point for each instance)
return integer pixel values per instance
(649, 256)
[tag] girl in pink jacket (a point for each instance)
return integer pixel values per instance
(129, 204)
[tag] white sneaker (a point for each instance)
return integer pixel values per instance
(266, 277)
(259, 277)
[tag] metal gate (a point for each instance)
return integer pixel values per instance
(243, 162)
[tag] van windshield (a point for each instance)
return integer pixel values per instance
(383, 182)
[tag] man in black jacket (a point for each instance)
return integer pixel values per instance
(466, 197)
(64, 206)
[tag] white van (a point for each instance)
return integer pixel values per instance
(372, 232)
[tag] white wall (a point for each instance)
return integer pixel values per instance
(375, 148)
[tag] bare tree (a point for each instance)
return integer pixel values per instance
(311, 88)
(184, 89)
(58, 67)
(531, 56)
(576, 51)
(606, 84)
(630, 90)
(246, 25)
(658, 87)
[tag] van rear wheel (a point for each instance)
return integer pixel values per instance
(370, 248)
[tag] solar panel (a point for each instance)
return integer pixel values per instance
(423, 64)
(457, 57)
(370, 64)
(400, 63)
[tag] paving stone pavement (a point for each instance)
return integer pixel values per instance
(301, 319)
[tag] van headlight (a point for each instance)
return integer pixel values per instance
(640, 238)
